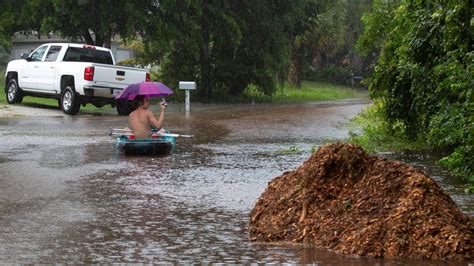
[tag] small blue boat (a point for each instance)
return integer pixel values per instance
(163, 145)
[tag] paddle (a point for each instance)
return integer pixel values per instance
(129, 132)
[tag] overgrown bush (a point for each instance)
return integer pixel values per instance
(380, 135)
(254, 93)
(424, 75)
(448, 127)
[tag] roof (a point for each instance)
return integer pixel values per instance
(34, 37)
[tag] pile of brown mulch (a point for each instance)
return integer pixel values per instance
(343, 199)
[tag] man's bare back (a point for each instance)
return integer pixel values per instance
(141, 119)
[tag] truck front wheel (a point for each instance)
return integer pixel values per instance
(70, 101)
(13, 92)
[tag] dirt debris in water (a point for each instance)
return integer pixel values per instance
(345, 200)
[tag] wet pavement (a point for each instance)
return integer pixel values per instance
(67, 195)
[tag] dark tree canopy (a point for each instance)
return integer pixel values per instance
(224, 45)
(93, 21)
(227, 45)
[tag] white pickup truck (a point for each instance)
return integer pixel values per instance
(75, 74)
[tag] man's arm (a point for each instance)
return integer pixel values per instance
(156, 122)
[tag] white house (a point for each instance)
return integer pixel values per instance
(26, 41)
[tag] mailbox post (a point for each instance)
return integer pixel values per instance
(187, 86)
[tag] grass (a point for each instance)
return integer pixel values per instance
(310, 91)
(315, 91)
(378, 136)
(290, 150)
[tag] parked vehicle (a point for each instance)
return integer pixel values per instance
(75, 74)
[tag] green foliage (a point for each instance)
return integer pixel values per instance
(315, 91)
(332, 73)
(376, 23)
(290, 150)
(2, 85)
(5, 47)
(461, 162)
(450, 127)
(424, 73)
(372, 132)
(225, 45)
(222, 45)
(329, 47)
(412, 76)
(253, 92)
(95, 22)
(309, 39)
(309, 91)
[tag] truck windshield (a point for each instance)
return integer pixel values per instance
(77, 54)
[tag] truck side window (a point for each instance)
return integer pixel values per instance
(53, 53)
(38, 54)
(72, 55)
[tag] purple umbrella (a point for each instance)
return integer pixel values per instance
(150, 89)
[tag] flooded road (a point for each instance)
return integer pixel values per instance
(68, 196)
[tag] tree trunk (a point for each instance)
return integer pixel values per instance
(107, 43)
(296, 65)
(205, 58)
(99, 40)
(87, 36)
(296, 68)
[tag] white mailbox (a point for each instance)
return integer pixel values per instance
(187, 85)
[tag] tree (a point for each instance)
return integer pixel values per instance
(227, 45)
(318, 40)
(424, 74)
(97, 21)
(326, 49)
(224, 45)
(94, 21)
(13, 20)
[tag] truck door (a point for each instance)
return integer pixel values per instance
(29, 73)
(47, 70)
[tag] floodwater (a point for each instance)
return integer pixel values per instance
(68, 196)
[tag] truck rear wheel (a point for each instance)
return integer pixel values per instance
(124, 107)
(70, 101)
(13, 92)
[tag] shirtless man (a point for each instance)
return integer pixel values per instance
(141, 119)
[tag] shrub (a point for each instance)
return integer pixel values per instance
(332, 73)
(424, 76)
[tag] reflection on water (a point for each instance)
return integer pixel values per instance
(67, 195)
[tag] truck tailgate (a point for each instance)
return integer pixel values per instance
(117, 77)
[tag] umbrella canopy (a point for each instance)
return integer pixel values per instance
(150, 89)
